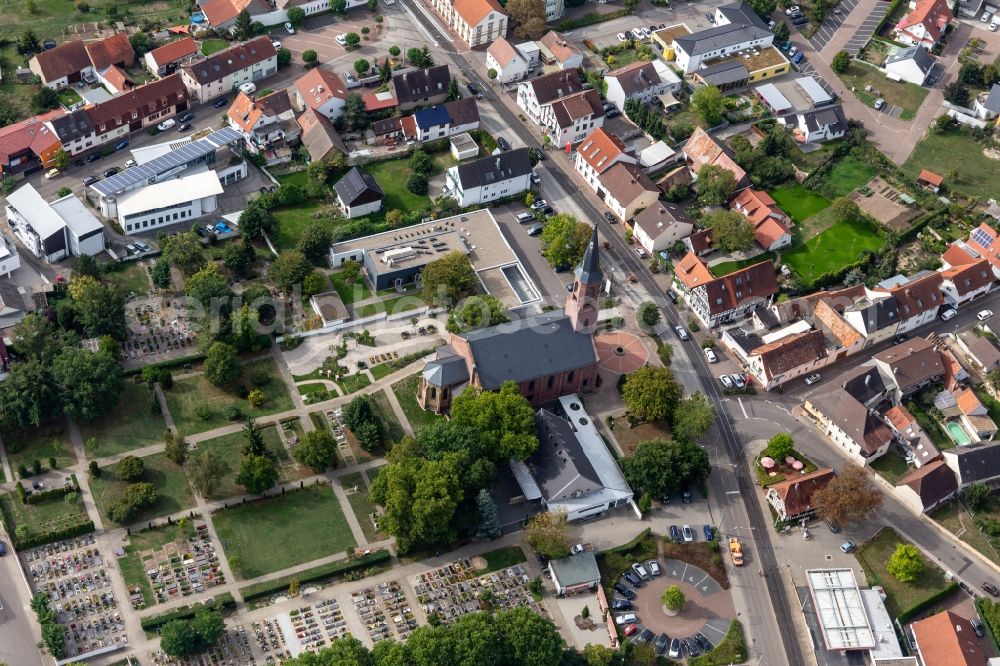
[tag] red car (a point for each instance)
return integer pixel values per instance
(631, 629)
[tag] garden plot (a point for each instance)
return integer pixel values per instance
(883, 202)
(183, 568)
(455, 589)
(385, 612)
(233, 649)
(73, 576)
(311, 628)
(158, 328)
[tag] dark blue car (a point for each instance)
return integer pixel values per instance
(709, 533)
(121, 145)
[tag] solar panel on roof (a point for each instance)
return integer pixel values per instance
(981, 237)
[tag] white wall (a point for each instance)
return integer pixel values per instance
(165, 217)
(359, 211)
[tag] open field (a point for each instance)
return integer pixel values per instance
(130, 279)
(280, 532)
(130, 425)
(954, 518)
(390, 424)
(727, 267)
(391, 177)
(958, 158)
(187, 394)
(873, 557)
(848, 174)
(172, 490)
(406, 394)
(799, 202)
(832, 249)
(230, 448)
(907, 96)
(41, 443)
(51, 18)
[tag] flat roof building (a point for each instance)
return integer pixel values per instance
(53, 231)
(840, 610)
(168, 202)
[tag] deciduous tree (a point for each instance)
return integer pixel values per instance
(658, 467)
(88, 383)
(317, 450)
(222, 367)
(731, 231)
(849, 498)
(693, 417)
(447, 280)
(673, 599)
(906, 563)
(708, 103)
(210, 288)
(184, 251)
(564, 240)
(339, 7)
(290, 268)
(504, 420)
(651, 394)
(354, 116)
(976, 495)
(175, 447)
(100, 309)
(130, 468)
(296, 16)
(715, 185)
(477, 312)
(841, 62)
(257, 474)
(547, 533)
(648, 314)
(314, 243)
(27, 395)
(206, 468)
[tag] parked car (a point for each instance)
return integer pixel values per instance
(613, 113)
(166, 124)
(577, 549)
(675, 649)
(800, 20)
(621, 604)
(681, 333)
(646, 636)
(900, 338)
(994, 25)
(672, 295)
(130, 163)
(977, 627)
(639, 252)
(93, 157)
(985, 17)
(708, 532)
(186, 117)
(276, 43)
(992, 589)
(771, 24)
(654, 568)
(879, 103)
(948, 314)
(983, 315)
(705, 644)
(640, 571)
(686, 498)
(833, 528)
(710, 355)
(142, 246)
(661, 643)
(535, 178)
(632, 579)
(626, 618)
(710, 17)
(121, 145)
(3, 549)
(726, 382)
(688, 534)
(794, 9)
(110, 172)
(90, 180)
(221, 102)
(849, 547)
(813, 378)
(79, 162)
(502, 142)
(624, 591)
(539, 204)
(289, 29)
(691, 647)
(609, 217)
(473, 90)
(792, 51)
(675, 534)
(738, 381)
(621, 37)
(341, 39)
(798, 57)
(184, 127)
(631, 629)
(51, 173)
(534, 229)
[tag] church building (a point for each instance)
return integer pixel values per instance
(548, 355)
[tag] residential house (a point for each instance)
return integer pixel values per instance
(842, 339)
(912, 64)
(927, 487)
(504, 58)
(700, 241)
(983, 241)
(477, 22)
(775, 358)
(490, 178)
(770, 223)
(576, 573)
(358, 193)
(955, 374)
(548, 355)
(965, 275)
(974, 417)
(53, 231)
(643, 80)
(319, 136)
(322, 91)
(223, 72)
(10, 260)
(875, 318)
(702, 149)
(918, 298)
(661, 226)
(849, 424)
(912, 439)
(555, 49)
(627, 190)
(817, 125)
(168, 202)
(737, 27)
(62, 66)
(420, 87)
(911, 365)
(727, 298)
(975, 463)
(600, 151)
(987, 104)
(268, 125)
(442, 121)
(803, 307)
(113, 51)
(978, 351)
(221, 14)
(166, 59)
(29, 145)
(571, 472)
(947, 639)
(115, 80)
(868, 386)
(535, 94)
(16, 303)
(792, 498)
(924, 24)
(569, 119)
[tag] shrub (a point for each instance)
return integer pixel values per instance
(233, 413)
(309, 57)
(130, 468)
(673, 599)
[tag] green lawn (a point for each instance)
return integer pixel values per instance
(129, 279)
(406, 394)
(381, 370)
(891, 466)
(280, 532)
(391, 177)
(130, 425)
(959, 159)
(230, 447)
(393, 305)
(292, 220)
(390, 424)
(210, 46)
(954, 518)
(727, 267)
(173, 492)
(350, 292)
(361, 505)
(50, 18)
(18, 95)
(68, 97)
(188, 393)
(43, 517)
(798, 201)
(300, 178)
(352, 383)
(907, 96)
(832, 249)
(501, 558)
(873, 557)
(848, 174)
(41, 443)
(809, 161)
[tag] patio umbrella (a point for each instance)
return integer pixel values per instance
(767, 462)
(797, 465)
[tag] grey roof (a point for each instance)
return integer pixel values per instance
(12, 297)
(945, 400)
(219, 65)
(723, 73)
(538, 346)
(494, 168)
(559, 466)
(72, 126)
(744, 26)
(912, 362)
(993, 101)
(421, 83)
(766, 317)
(148, 172)
(977, 462)
(576, 569)
(589, 270)
(877, 314)
(747, 340)
(741, 12)
(832, 116)
(30, 205)
(919, 54)
(446, 369)
(865, 384)
(358, 187)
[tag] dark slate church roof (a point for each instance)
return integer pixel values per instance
(447, 369)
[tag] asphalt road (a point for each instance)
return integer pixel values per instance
(17, 645)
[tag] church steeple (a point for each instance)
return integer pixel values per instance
(581, 304)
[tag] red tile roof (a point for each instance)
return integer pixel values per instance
(968, 402)
(693, 271)
(145, 100)
(956, 255)
(64, 60)
(502, 51)
(117, 78)
(829, 319)
(945, 639)
(219, 12)
(111, 51)
(790, 352)
(796, 493)
(767, 231)
(990, 251)
(930, 177)
(970, 277)
(319, 86)
(729, 291)
(559, 46)
(600, 149)
(174, 51)
(934, 15)
(474, 11)
(379, 101)
(30, 134)
(701, 149)
(918, 295)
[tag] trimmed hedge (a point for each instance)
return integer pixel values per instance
(593, 19)
(988, 612)
(907, 614)
(222, 602)
(168, 365)
(322, 572)
(51, 493)
(54, 535)
(731, 650)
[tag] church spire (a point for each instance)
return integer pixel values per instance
(589, 270)
(581, 303)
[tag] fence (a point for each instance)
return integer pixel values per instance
(355, 323)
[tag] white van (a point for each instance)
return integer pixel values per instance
(524, 218)
(248, 88)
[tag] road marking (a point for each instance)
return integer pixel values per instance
(732, 492)
(744, 409)
(420, 25)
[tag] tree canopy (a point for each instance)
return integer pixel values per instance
(477, 312)
(849, 498)
(651, 394)
(708, 103)
(547, 533)
(715, 185)
(731, 231)
(659, 467)
(504, 420)
(906, 563)
(448, 279)
(564, 240)
(290, 268)
(693, 417)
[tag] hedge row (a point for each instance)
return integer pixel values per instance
(222, 602)
(51, 493)
(593, 19)
(909, 613)
(169, 365)
(322, 572)
(988, 612)
(52, 535)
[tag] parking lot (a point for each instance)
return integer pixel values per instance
(832, 22)
(867, 28)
